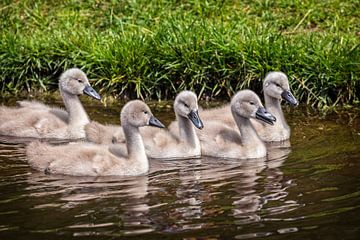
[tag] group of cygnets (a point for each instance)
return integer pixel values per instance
(236, 130)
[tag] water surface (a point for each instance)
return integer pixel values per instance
(310, 190)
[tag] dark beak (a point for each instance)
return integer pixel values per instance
(88, 90)
(155, 122)
(287, 96)
(195, 119)
(265, 116)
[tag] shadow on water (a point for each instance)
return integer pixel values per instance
(307, 190)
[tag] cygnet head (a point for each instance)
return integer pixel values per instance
(137, 114)
(74, 81)
(247, 104)
(186, 105)
(276, 85)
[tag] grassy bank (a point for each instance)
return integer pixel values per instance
(153, 49)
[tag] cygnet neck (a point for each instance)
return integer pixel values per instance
(187, 132)
(134, 144)
(273, 105)
(77, 114)
(247, 131)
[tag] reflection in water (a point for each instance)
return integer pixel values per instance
(71, 193)
(274, 186)
(310, 189)
(247, 200)
(203, 181)
(277, 154)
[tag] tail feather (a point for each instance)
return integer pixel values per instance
(31, 104)
(94, 132)
(37, 155)
(7, 116)
(4, 114)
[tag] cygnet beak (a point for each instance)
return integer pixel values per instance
(155, 122)
(88, 90)
(287, 96)
(265, 116)
(195, 119)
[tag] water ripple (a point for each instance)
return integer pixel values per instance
(298, 192)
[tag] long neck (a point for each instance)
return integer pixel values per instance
(135, 145)
(273, 105)
(247, 131)
(77, 114)
(187, 132)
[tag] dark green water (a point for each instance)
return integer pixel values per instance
(308, 191)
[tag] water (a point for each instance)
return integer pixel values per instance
(310, 190)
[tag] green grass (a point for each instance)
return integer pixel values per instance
(153, 49)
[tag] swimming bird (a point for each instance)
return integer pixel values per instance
(276, 88)
(164, 145)
(37, 120)
(87, 159)
(160, 143)
(222, 141)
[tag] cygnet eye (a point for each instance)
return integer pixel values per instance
(186, 105)
(252, 103)
(278, 85)
(79, 80)
(146, 112)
